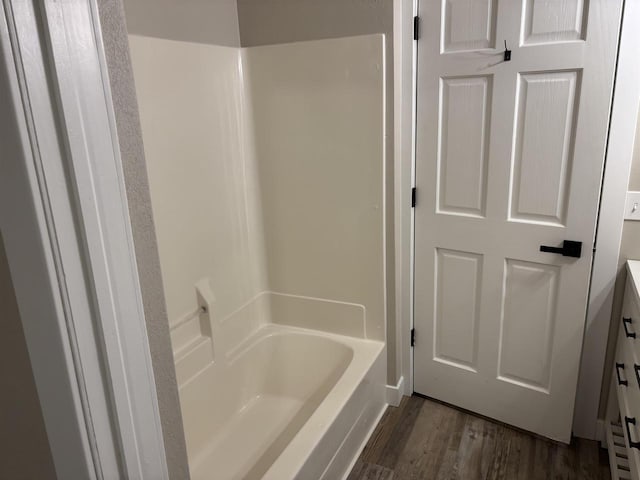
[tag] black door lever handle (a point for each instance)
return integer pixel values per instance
(569, 248)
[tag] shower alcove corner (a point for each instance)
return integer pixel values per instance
(270, 187)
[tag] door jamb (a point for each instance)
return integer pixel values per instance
(404, 144)
(35, 277)
(83, 150)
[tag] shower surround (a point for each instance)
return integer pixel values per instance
(266, 173)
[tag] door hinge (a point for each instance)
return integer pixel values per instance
(413, 337)
(413, 197)
(416, 27)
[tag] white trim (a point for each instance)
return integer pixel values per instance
(385, 316)
(622, 130)
(412, 247)
(395, 393)
(397, 184)
(34, 261)
(74, 123)
(94, 149)
(404, 106)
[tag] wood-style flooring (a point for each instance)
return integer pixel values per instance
(423, 439)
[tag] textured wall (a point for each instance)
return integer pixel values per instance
(267, 22)
(130, 137)
(203, 21)
(23, 438)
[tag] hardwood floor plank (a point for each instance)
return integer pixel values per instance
(435, 429)
(356, 471)
(388, 454)
(477, 450)
(426, 440)
(370, 471)
(592, 462)
(445, 467)
(380, 438)
(542, 460)
(520, 455)
(498, 466)
(564, 462)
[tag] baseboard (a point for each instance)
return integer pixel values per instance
(395, 393)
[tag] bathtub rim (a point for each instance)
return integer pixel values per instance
(365, 353)
(301, 447)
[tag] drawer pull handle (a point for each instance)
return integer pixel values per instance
(636, 367)
(620, 381)
(625, 321)
(631, 421)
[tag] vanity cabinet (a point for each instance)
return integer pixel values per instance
(623, 432)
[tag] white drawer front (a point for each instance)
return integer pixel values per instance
(630, 321)
(628, 390)
(630, 430)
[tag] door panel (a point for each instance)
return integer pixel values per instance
(469, 25)
(557, 21)
(528, 320)
(509, 157)
(458, 276)
(462, 166)
(543, 146)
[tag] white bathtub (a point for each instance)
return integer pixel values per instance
(287, 403)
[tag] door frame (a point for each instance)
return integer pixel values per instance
(622, 127)
(405, 58)
(109, 246)
(71, 254)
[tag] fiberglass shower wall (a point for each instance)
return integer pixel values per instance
(266, 173)
(318, 112)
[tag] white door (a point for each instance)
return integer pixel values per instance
(509, 158)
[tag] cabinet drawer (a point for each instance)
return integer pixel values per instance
(630, 321)
(627, 374)
(631, 434)
(628, 393)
